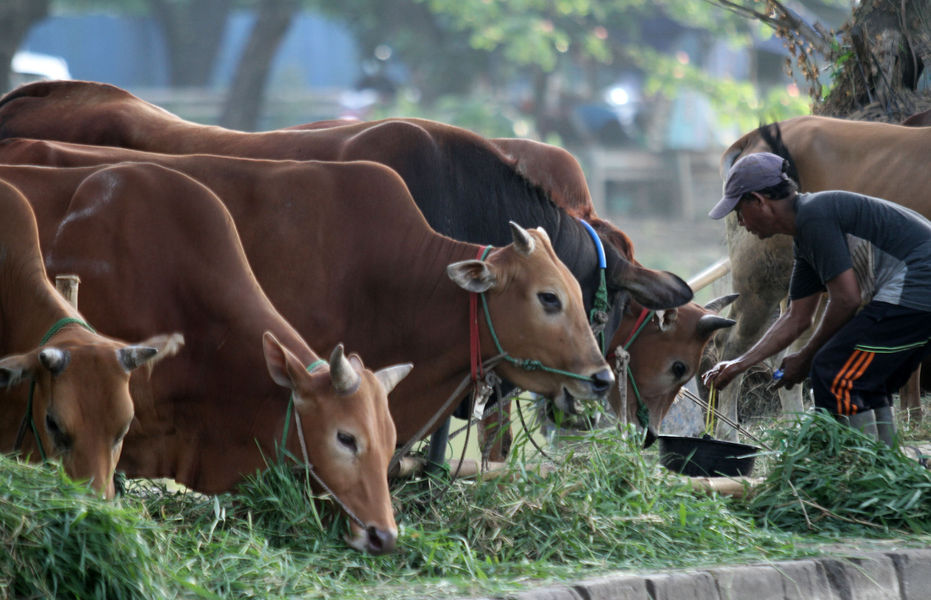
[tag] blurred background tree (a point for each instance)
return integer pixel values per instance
(546, 65)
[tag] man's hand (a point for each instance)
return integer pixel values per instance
(795, 368)
(723, 373)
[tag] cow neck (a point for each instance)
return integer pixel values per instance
(28, 418)
(477, 367)
(598, 315)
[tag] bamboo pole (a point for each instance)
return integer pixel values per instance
(67, 286)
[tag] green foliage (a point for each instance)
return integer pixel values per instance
(737, 103)
(61, 542)
(830, 478)
(481, 115)
(601, 505)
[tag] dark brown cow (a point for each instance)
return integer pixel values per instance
(877, 159)
(80, 400)
(662, 359)
(156, 249)
(399, 300)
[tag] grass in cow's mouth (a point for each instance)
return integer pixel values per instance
(606, 507)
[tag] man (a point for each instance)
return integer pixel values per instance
(855, 360)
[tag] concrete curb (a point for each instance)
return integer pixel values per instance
(893, 575)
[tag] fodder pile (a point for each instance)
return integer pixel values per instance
(608, 506)
(829, 478)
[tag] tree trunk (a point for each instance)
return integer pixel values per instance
(193, 31)
(244, 100)
(887, 46)
(16, 19)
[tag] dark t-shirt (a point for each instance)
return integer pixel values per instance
(831, 225)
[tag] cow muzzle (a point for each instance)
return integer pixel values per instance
(373, 540)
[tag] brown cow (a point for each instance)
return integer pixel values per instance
(661, 358)
(156, 249)
(452, 173)
(400, 271)
(78, 406)
(667, 352)
(875, 159)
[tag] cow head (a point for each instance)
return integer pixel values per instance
(664, 356)
(82, 407)
(535, 306)
(349, 433)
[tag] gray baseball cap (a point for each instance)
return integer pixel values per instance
(751, 173)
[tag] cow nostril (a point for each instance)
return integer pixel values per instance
(379, 540)
(601, 381)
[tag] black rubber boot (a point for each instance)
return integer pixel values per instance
(865, 422)
(885, 425)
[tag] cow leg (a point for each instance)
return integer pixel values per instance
(791, 401)
(494, 433)
(436, 457)
(910, 399)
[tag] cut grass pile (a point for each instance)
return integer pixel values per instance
(832, 479)
(607, 507)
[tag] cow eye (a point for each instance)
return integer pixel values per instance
(679, 369)
(347, 440)
(550, 302)
(61, 439)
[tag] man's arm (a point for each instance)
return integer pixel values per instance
(787, 328)
(843, 302)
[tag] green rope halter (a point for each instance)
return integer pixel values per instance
(524, 363)
(32, 386)
(287, 415)
(643, 413)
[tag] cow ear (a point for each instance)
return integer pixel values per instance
(472, 275)
(54, 359)
(665, 319)
(277, 359)
(523, 241)
(392, 376)
(132, 357)
(15, 369)
(166, 346)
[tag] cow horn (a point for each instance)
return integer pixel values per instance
(131, 357)
(54, 359)
(523, 241)
(345, 379)
(720, 303)
(708, 324)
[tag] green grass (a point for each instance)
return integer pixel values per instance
(607, 507)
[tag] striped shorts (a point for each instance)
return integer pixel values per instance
(870, 358)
